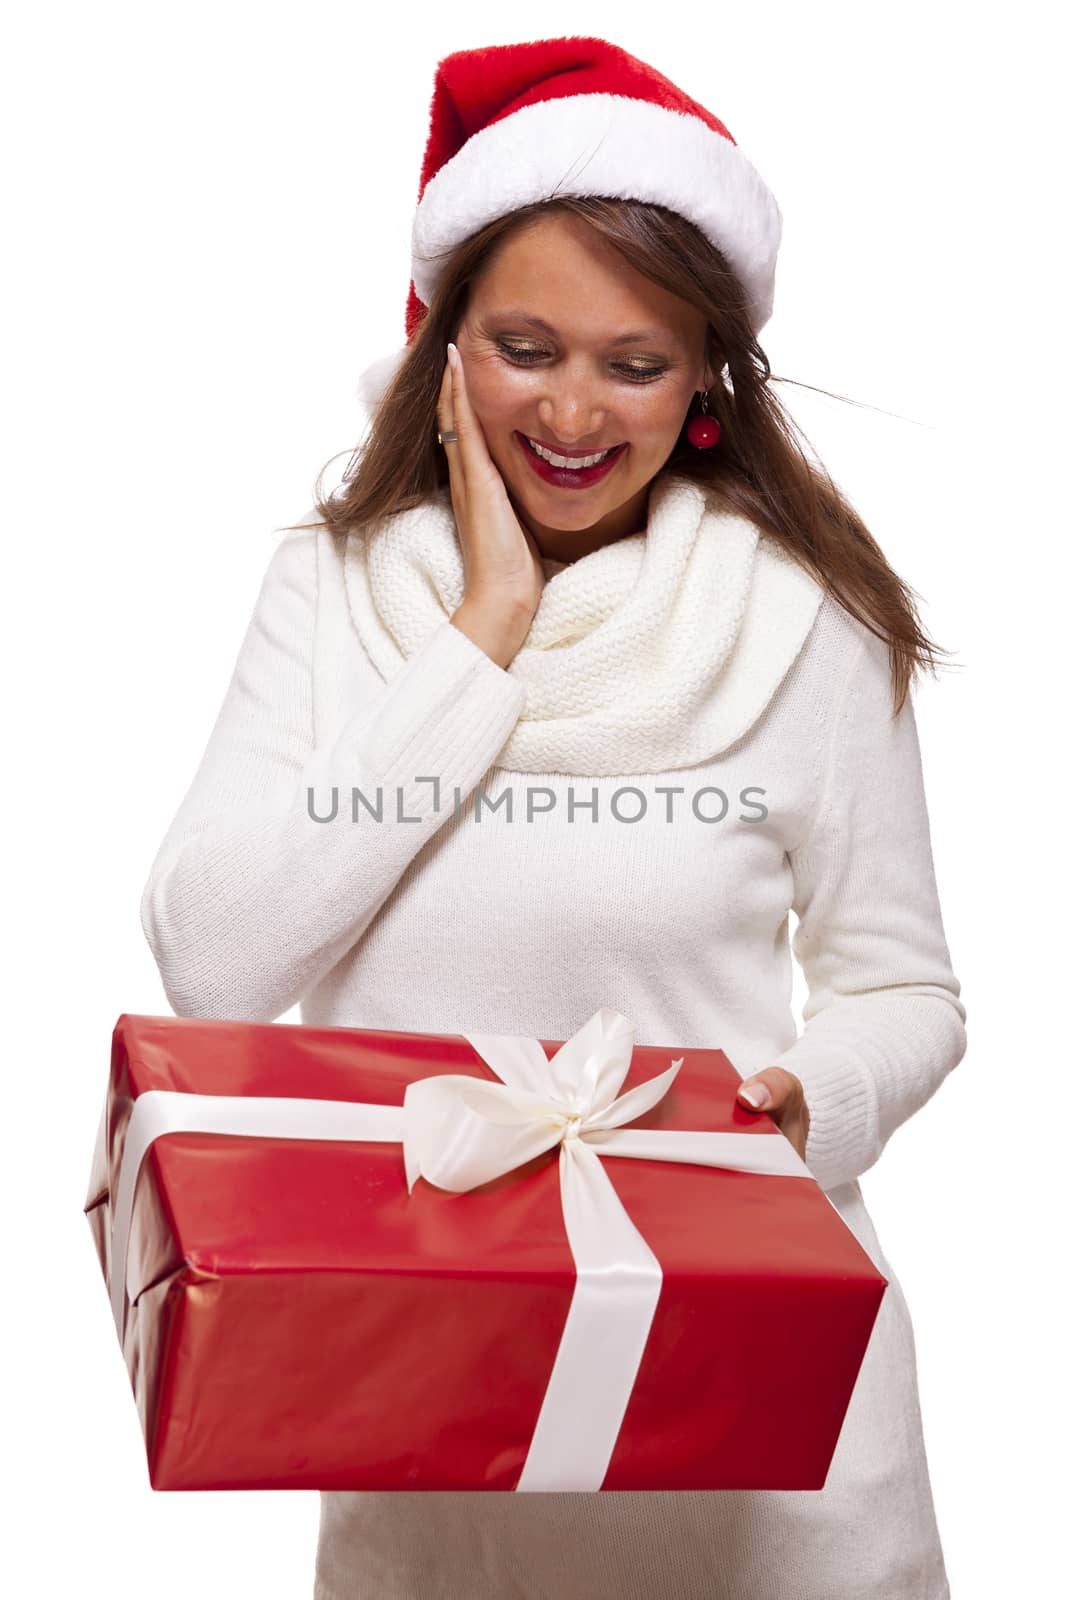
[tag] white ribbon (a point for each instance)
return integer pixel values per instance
(460, 1132)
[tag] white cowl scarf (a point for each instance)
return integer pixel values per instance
(654, 652)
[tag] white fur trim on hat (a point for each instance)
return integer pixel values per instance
(603, 144)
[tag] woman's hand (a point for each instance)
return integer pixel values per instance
(781, 1095)
(504, 575)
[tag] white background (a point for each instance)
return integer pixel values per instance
(209, 208)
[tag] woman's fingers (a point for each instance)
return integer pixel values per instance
(502, 565)
(476, 466)
(446, 424)
(781, 1095)
(479, 470)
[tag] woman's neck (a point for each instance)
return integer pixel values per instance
(567, 546)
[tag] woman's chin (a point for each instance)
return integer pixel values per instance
(565, 511)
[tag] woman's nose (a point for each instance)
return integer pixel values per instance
(571, 414)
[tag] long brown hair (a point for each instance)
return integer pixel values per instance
(758, 466)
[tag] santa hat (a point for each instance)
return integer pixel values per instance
(514, 124)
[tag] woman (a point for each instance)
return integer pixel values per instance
(602, 727)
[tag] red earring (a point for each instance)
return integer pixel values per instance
(703, 431)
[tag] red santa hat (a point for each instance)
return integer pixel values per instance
(514, 124)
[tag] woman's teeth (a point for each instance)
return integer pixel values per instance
(566, 461)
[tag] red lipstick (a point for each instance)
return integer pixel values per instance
(569, 477)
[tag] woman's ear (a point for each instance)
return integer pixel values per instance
(712, 362)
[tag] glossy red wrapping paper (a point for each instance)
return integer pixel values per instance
(297, 1320)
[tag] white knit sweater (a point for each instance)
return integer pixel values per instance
(452, 915)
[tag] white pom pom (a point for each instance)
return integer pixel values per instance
(375, 379)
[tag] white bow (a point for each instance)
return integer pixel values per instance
(461, 1132)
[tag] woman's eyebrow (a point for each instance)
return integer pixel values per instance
(634, 336)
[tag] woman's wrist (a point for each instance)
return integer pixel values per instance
(496, 629)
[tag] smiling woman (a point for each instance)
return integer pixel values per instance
(586, 322)
(485, 608)
(569, 384)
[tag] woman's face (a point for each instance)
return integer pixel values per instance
(613, 360)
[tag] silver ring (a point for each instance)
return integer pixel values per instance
(447, 438)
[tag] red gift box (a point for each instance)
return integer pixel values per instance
(293, 1317)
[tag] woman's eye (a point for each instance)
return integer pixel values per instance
(628, 369)
(516, 354)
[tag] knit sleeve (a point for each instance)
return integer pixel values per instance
(884, 1024)
(251, 900)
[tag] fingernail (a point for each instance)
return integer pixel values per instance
(453, 354)
(756, 1095)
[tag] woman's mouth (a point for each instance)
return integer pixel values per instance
(569, 477)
